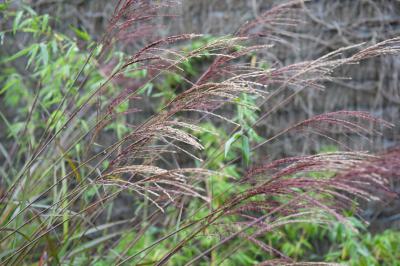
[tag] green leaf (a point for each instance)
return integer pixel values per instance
(32, 52)
(81, 34)
(146, 89)
(29, 10)
(246, 149)
(12, 128)
(15, 129)
(17, 55)
(45, 22)
(11, 81)
(230, 141)
(17, 20)
(3, 6)
(93, 243)
(1, 38)
(44, 54)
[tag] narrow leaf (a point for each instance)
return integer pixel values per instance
(246, 149)
(230, 141)
(17, 20)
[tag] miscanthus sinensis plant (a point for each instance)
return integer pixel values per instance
(81, 148)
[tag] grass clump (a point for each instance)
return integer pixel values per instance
(142, 158)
